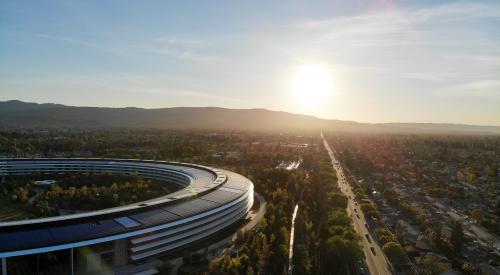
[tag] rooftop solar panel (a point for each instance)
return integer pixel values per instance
(156, 216)
(191, 207)
(127, 222)
(220, 196)
(237, 191)
(237, 185)
(82, 231)
(24, 239)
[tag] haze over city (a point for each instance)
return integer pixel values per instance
(367, 61)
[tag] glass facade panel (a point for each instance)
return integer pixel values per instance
(94, 258)
(57, 262)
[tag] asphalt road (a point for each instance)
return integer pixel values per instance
(259, 215)
(375, 260)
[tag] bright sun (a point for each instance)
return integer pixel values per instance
(312, 84)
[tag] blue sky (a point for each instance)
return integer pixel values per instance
(408, 61)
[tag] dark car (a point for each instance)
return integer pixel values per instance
(368, 238)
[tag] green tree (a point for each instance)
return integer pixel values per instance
(432, 264)
(477, 214)
(457, 238)
(394, 251)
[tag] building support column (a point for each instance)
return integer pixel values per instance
(71, 261)
(121, 252)
(4, 266)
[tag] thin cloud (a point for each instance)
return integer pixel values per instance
(180, 41)
(138, 50)
(67, 39)
(121, 83)
(487, 87)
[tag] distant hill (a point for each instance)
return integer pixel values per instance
(15, 113)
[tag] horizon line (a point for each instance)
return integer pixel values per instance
(254, 108)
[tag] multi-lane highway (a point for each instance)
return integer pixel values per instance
(375, 259)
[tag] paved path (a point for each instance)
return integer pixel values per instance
(376, 261)
(292, 234)
(259, 215)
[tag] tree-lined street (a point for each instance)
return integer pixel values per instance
(375, 259)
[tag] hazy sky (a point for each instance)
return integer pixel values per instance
(408, 61)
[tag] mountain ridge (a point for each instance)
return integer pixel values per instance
(15, 113)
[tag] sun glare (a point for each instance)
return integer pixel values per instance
(312, 84)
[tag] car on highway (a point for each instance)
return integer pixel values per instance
(373, 251)
(358, 216)
(368, 238)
